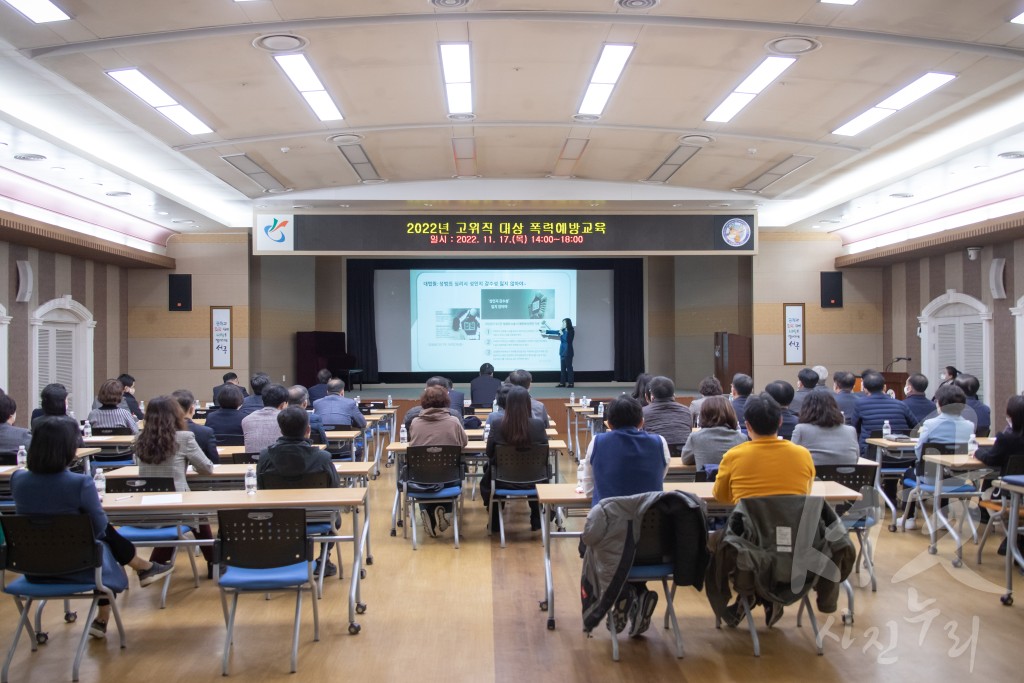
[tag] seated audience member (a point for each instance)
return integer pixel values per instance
(165, 448)
(435, 381)
(110, 414)
(782, 392)
(822, 372)
(484, 386)
(337, 410)
(877, 407)
(806, 382)
(517, 427)
(948, 375)
(253, 403)
(228, 420)
(1011, 440)
(53, 401)
(435, 425)
(664, 415)
(293, 456)
(640, 389)
(230, 379)
(766, 465)
(129, 400)
(977, 412)
(319, 390)
(205, 436)
(718, 433)
(823, 432)
(709, 386)
(916, 399)
(47, 487)
(457, 398)
(298, 396)
(843, 382)
(522, 378)
(260, 428)
(624, 462)
(741, 387)
(501, 397)
(10, 436)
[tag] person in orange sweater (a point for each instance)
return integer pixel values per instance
(766, 465)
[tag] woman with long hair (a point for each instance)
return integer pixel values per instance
(823, 431)
(640, 394)
(165, 448)
(519, 428)
(719, 431)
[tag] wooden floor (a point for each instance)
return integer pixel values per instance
(440, 614)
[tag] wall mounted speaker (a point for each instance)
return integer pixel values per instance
(995, 278)
(25, 282)
(179, 292)
(831, 290)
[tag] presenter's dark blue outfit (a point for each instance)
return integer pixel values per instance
(565, 353)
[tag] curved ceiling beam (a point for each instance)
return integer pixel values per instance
(782, 28)
(323, 134)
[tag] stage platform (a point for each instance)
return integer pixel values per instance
(538, 391)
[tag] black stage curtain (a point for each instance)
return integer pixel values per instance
(362, 330)
(628, 312)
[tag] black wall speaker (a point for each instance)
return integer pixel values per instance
(179, 292)
(832, 290)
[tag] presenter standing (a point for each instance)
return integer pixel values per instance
(565, 337)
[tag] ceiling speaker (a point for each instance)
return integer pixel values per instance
(25, 281)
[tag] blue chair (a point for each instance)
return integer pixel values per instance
(859, 517)
(157, 536)
(954, 487)
(433, 474)
(55, 546)
(267, 551)
(515, 474)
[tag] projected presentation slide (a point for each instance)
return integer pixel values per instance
(464, 318)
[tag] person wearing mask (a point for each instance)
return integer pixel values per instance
(977, 412)
(205, 436)
(916, 399)
(843, 382)
(741, 387)
(11, 437)
(709, 386)
(806, 382)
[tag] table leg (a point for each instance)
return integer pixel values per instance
(568, 429)
(879, 457)
(939, 516)
(360, 536)
(549, 587)
(1013, 554)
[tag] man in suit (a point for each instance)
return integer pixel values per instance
(205, 437)
(319, 390)
(253, 403)
(229, 378)
(337, 410)
(435, 381)
(874, 409)
(298, 396)
(806, 381)
(260, 428)
(457, 397)
(741, 387)
(10, 436)
(843, 382)
(976, 411)
(522, 378)
(916, 399)
(484, 386)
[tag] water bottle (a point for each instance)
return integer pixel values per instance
(359, 400)
(572, 397)
(389, 401)
(600, 409)
(972, 445)
(87, 429)
(487, 431)
(250, 480)
(584, 402)
(100, 480)
(22, 457)
(886, 430)
(142, 406)
(403, 435)
(494, 405)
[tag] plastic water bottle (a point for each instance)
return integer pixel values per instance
(389, 401)
(886, 430)
(359, 400)
(572, 397)
(22, 457)
(87, 429)
(250, 480)
(100, 480)
(972, 445)
(403, 435)
(487, 431)
(584, 402)
(142, 406)
(494, 405)
(600, 409)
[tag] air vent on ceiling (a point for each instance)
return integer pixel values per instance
(449, 4)
(39, 157)
(637, 4)
(792, 46)
(280, 42)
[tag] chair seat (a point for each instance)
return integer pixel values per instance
(928, 488)
(320, 528)
(646, 572)
(515, 492)
(243, 578)
(861, 524)
(894, 470)
(22, 586)
(449, 492)
(142, 534)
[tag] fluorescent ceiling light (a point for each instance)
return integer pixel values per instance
(149, 92)
(1019, 19)
(39, 11)
(759, 79)
(606, 74)
(838, 2)
(458, 78)
(905, 96)
(299, 71)
(254, 171)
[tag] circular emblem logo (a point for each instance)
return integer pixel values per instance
(736, 232)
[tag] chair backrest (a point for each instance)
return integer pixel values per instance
(675, 449)
(308, 480)
(112, 431)
(244, 458)
(50, 545)
(8, 457)
(936, 448)
(655, 542)
(230, 439)
(521, 465)
(433, 464)
(140, 484)
(857, 477)
(263, 538)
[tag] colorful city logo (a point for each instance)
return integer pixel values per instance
(275, 231)
(736, 232)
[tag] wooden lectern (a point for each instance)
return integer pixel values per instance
(896, 381)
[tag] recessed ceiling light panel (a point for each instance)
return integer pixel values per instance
(39, 11)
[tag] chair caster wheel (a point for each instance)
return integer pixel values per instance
(393, 533)
(369, 560)
(42, 637)
(958, 563)
(551, 624)
(543, 605)
(892, 528)
(932, 550)
(847, 618)
(362, 573)
(1006, 600)
(353, 629)
(360, 608)
(399, 523)
(71, 617)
